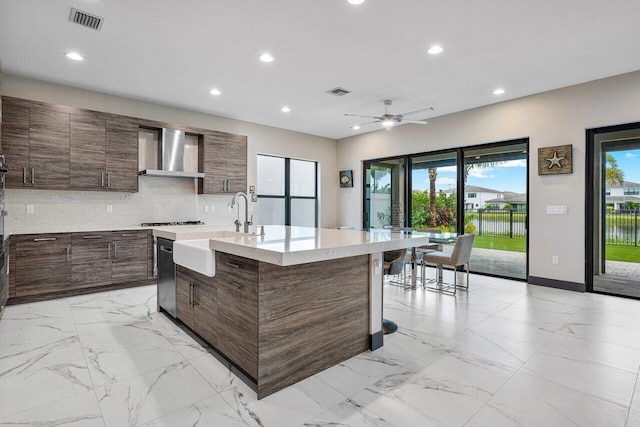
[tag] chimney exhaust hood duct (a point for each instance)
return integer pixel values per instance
(171, 156)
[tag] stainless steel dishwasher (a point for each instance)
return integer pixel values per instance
(166, 276)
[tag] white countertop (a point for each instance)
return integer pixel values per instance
(189, 232)
(284, 245)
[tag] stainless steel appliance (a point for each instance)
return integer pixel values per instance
(171, 161)
(4, 248)
(166, 276)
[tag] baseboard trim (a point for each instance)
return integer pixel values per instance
(557, 284)
(376, 340)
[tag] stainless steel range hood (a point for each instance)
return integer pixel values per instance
(171, 156)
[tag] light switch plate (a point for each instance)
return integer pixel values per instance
(557, 210)
(254, 198)
(109, 208)
(30, 209)
(206, 208)
(252, 189)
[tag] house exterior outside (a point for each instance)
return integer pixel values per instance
(617, 196)
(517, 201)
(477, 197)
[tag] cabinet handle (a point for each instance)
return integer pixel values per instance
(109, 251)
(24, 175)
(232, 285)
(193, 298)
(92, 237)
(68, 253)
(228, 185)
(190, 294)
(33, 175)
(115, 250)
(45, 239)
(129, 235)
(101, 179)
(108, 179)
(230, 264)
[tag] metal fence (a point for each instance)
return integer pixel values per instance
(621, 228)
(498, 222)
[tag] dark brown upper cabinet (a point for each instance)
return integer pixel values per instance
(104, 153)
(223, 159)
(35, 142)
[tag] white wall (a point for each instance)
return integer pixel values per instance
(160, 199)
(552, 118)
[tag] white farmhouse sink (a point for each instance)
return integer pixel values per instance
(195, 255)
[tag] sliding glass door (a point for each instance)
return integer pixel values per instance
(614, 211)
(384, 197)
(433, 192)
(495, 208)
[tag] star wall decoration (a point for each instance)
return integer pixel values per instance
(555, 160)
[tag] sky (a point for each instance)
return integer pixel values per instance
(629, 162)
(510, 176)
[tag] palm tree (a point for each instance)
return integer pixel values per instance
(613, 174)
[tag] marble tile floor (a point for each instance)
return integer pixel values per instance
(503, 354)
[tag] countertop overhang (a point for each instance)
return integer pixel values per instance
(287, 245)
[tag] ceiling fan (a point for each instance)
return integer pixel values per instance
(388, 119)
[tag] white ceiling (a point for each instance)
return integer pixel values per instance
(173, 52)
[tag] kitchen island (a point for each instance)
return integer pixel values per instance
(292, 302)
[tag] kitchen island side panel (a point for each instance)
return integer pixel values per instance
(311, 317)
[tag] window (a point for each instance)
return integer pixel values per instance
(287, 191)
(631, 191)
(607, 193)
(472, 196)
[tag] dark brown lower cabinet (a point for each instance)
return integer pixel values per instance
(44, 266)
(43, 263)
(197, 303)
(129, 260)
(90, 260)
(237, 280)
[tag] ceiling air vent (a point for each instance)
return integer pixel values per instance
(85, 19)
(338, 91)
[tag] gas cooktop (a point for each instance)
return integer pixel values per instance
(162, 224)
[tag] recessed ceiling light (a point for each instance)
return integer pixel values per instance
(75, 56)
(499, 91)
(435, 49)
(215, 92)
(387, 123)
(266, 57)
(356, 1)
(355, 127)
(285, 109)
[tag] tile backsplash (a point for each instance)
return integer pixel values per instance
(159, 199)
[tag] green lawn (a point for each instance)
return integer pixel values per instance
(612, 252)
(500, 243)
(622, 253)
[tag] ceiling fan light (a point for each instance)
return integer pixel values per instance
(355, 127)
(387, 123)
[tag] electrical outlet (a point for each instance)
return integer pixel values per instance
(254, 198)
(252, 189)
(206, 208)
(30, 209)
(554, 259)
(213, 208)
(109, 208)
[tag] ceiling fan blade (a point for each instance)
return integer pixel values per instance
(417, 111)
(368, 123)
(416, 122)
(366, 117)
